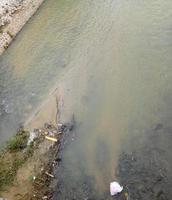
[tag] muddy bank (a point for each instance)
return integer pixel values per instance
(36, 153)
(13, 16)
(28, 162)
(145, 165)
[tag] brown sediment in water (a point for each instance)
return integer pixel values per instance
(49, 111)
(23, 12)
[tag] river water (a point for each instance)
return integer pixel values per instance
(114, 60)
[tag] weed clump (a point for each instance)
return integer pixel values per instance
(13, 157)
(18, 142)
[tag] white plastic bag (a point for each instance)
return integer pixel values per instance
(115, 188)
(32, 136)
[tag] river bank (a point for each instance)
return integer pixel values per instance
(29, 158)
(116, 59)
(14, 14)
(27, 163)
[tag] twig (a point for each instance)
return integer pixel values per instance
(57, 109)
(48, 174)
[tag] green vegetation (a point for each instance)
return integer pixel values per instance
(18, 160)
(18, 142)
(8, 169)
(13, 157)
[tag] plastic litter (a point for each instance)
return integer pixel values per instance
(48, 174)
(45, 197)
(32, 136)
(59, 125)
(51, 138)
(115, 188)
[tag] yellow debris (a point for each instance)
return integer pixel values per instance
(51, 138)
(126, 195)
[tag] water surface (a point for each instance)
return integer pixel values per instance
(113, 60)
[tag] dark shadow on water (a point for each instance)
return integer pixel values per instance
(144, 169)
(145, 165)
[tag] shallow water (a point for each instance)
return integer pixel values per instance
(113, 60)
(34, 61)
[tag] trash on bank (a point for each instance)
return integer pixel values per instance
(45, 197)
(32, 136)
(115, 188)
(48, 174)
(126, 195)
(31, 179)
(51, 138)
(59, 125)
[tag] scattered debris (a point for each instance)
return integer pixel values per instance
(115, 188)
(126, 195)
(32, 136)
(48, 174)
(59, 125)
(45, 197)
(31, 143)
(51, 138)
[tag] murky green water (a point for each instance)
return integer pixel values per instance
(115, 59)
(35, 60)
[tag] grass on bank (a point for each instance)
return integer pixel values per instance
(13, 157)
